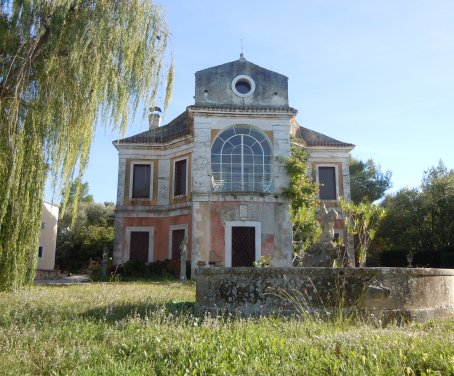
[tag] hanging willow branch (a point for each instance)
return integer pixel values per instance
(64, 65)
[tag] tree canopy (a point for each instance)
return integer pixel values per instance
(86, 235)
(64, 64)
(421, 219)
(367, 182)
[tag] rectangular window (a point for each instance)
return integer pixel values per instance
(177, 239)
(40, 251)
(141, 181)
(139, 246)
(179, 182)
(327, 181)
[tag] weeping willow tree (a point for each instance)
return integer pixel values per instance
(64, 66)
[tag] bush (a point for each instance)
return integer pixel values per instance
(161, 269)
(447, 257)
(394, 258)
(135, 269)
(427, 259)
(421, 259)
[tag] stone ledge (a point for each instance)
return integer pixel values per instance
(389, 294)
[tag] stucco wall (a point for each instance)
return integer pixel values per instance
(48, 236)
(211, 210)
(387, 293)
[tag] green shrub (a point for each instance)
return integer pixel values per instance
(394, 258)
(135, 269)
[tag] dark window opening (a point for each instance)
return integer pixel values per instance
(243, 87)
(177, 239)
(243, 246)
(327, 181)
(40, 251)
(141, 181)
(180, 178)
(139, 245)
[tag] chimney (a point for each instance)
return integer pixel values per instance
(154, 118)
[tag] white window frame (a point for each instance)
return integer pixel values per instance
(172, 228)
(266, 186)
(249, 80)
(131, 179)
(228, 239)
(186, 177)
(336, 176)
(150, 231)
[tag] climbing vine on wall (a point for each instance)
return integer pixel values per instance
(303, 193)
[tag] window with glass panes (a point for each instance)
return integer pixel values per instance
(141, 181)
(179, 182)
(241, 160)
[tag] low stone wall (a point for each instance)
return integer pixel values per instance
(389, 294)
(47, 274)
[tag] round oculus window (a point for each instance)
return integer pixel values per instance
(243, 86)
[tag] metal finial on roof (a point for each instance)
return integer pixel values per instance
(242, 58)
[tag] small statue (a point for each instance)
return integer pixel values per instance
(327, 219)
(184, 257)
(105, 255)
(324, 252)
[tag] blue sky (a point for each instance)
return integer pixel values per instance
(378, 74)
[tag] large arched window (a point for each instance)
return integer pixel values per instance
(241, 160)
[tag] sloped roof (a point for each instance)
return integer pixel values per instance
(313, 138)
(178, 127)
(233, 107)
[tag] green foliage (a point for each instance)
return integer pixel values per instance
(64, 65)
(86, 235)
(304, 199)
(148, 329)
(361, 222)
(367, 182)
(421, 219)
(263, 262)
(157, 270)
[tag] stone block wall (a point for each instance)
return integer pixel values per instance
(385, 293)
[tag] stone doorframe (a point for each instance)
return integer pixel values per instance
(172, 228)
(228, 239)
(150, 231)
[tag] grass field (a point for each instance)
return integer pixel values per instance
(149, 328)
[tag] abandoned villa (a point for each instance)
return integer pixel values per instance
(212, 177)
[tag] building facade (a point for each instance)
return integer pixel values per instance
(48, 237)
(213, 177)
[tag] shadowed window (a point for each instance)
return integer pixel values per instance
(327, 181)
(141, 181)
(179, 187)
(139, 245)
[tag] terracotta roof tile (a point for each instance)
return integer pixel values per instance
(178, 127)
(313, 138)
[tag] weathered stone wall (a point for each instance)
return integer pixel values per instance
(213, 211)
(48, 236)
(385, 293)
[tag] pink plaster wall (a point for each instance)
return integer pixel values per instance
(161, 232)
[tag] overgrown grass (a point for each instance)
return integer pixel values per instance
(149, 328)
